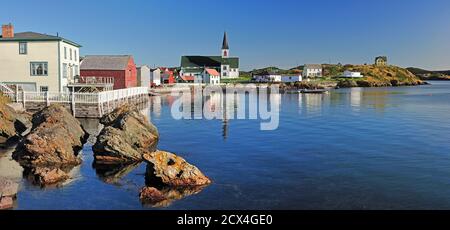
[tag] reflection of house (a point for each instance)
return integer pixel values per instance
(119, 67)
(143, 76)
(267, 76)
(155, 77)
(351, 74)
(37, 62)
(209, 76)
(381, 61)
(167, 76)
(227, 66)
(291, 78)
(312, 70)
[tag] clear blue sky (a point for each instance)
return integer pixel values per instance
(261, 32)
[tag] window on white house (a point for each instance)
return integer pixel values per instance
(39, 68)
(44, 88)
(70, 54)
(76, 70)
(23, 48)
(225, 67)
(65, 52)
(75, 55)
(64, 70)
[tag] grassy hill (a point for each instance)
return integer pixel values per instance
(375, 76)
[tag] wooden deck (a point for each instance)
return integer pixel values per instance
(83, 105)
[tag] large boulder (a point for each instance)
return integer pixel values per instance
(55, 139)
(126, 137)
(7, 123)
(168, 169)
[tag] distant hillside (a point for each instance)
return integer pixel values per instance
(430, 75)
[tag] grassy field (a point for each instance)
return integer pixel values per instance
(241, 79)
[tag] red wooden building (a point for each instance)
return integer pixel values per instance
(167, 76)
(121, 67)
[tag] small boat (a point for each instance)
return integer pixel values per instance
(318, 91)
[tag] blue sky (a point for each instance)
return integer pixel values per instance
(262, 33)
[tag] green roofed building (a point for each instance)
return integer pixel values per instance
(227, 66)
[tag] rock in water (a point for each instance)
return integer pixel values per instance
(169, 169)
(127, 135)
(55, 139)
(8, 188)
(6, 203)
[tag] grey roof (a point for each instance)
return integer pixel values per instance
(313, 66)
(105, 62)
(32, 36)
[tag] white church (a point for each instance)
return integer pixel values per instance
(227, 66)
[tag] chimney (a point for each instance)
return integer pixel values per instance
(8, 31)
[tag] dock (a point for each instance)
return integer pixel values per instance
(82, 105)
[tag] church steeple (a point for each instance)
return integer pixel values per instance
(225, 47)
(225, 42)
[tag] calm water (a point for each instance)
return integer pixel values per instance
(377, 148)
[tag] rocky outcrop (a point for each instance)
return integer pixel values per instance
(52, 145)
(126, 137)
(12, 124)
(168, 169)
(8, 192)
(169, 178)
(55, 139)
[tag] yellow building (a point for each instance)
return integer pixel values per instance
(37, 62)
(381, 61)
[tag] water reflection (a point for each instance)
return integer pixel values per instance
(171, 195)
(113, 174)
(311, 104)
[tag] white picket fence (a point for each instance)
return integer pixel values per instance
(79, 98)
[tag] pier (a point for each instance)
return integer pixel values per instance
(82, 105)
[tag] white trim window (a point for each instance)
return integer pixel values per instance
(64, 70)
(65, 53)
(23, 49)
(39, 68)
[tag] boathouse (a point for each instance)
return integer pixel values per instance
(120, 67)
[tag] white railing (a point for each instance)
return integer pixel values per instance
(120, 94)
(79, 98)
(95, 80)
(5, 89)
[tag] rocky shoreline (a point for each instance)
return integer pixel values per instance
(49, 143)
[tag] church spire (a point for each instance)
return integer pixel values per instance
(225, 42)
